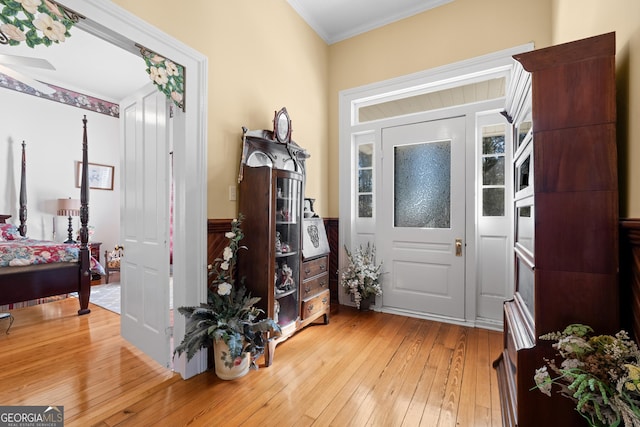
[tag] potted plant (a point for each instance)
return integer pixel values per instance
(229, 318)
(600, 373)
(361, 278)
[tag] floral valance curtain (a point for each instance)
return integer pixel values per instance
(45, 22)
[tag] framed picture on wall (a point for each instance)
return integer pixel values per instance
(100, 176)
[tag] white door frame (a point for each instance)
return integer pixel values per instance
(464, 72)
(116, 25)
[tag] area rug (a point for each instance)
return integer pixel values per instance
(108, 296)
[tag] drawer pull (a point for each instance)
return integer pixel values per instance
(307, 289)
(323, 267)
(324, 300)
(310, 308)
(323, 283)
(307, 270)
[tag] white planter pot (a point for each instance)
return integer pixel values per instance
(240, 366)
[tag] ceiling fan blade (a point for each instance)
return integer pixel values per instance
(26, 61)
(40, 87)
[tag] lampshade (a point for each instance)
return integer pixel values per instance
(68, 207)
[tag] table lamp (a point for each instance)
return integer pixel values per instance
(69, 207)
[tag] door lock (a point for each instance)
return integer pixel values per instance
(458, 247)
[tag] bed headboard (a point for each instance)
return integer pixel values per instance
(4, 218)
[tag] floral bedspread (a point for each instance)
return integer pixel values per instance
(30, 252)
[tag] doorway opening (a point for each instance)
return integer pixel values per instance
(410, 127)
(111, 23)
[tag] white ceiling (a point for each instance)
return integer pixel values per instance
(86, 64)
(94, 67)
(336, 20)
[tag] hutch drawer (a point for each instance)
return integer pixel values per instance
(315, 267)
(315, 304)
(313, 286)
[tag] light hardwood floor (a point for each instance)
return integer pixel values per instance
(363, 369)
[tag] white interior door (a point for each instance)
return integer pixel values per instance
(145, 223)
(422, 218)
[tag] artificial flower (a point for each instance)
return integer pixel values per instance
(229, 314)
(600, 373)
(224, 289)
(54, 30)
(176, 96)
(53, 8)
(361, 278)
(13, 32)
(30, 6)
(172, 69)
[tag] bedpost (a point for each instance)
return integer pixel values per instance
(22, 214)
(85, 263)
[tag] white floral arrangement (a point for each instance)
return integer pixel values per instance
(361, 278)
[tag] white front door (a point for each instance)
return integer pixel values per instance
(145, 223)
(422, 218)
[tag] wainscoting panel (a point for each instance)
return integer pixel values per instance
(216, 242)
(630, 276)
(331, 227)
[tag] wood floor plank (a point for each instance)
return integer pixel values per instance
(362, 369)
(466, 411)
(342, 407)
(411, 386)
(496, 345)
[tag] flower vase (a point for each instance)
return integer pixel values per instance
(365, 303)
(240, 366)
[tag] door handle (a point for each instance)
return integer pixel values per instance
(458, 247)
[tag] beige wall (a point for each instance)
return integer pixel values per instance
(262, 56)
(576, 19)
(454, 32)
(247, 82)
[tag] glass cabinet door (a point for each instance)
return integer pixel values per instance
(287, 249)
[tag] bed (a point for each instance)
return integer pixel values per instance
(29, 282)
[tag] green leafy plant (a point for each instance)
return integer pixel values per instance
(229, 314)
(361, 278)
(600, 373)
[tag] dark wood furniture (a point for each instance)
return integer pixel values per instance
(32, 282)
(566, 213)
(271, 195)
(630, 276)
(94, 250)
(112, 261)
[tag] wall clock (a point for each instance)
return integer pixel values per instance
(282, 126)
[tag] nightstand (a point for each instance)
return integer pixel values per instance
(94, 248)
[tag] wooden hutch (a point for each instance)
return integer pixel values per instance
(562, 105)
(293, 288)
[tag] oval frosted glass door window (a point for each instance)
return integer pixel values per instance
(422, 185)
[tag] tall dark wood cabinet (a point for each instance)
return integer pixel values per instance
(292, 289)
(561, 104)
